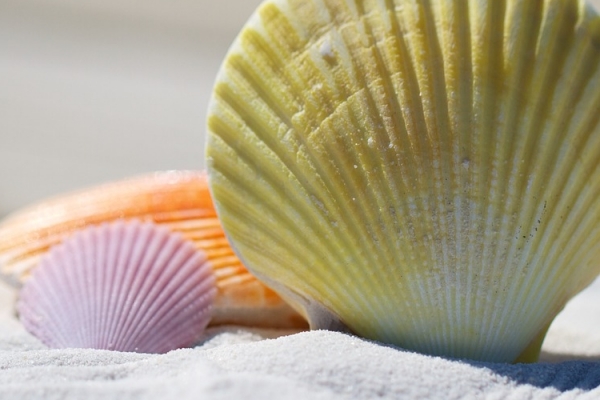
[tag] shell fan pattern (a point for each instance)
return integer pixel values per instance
(422, 173)
(121, 286)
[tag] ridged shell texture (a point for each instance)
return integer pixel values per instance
(426, 172)
(121, 286)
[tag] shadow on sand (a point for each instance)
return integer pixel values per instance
(563, 372)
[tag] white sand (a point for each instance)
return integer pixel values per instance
(235, 363)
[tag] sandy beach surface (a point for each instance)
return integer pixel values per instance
(242, 363)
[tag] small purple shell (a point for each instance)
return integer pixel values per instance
(125, 286)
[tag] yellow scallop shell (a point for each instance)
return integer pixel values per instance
(422, 173)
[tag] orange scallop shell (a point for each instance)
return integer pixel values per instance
(179, 200)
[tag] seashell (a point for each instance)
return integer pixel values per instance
(178, 200)
(124, 286)
(421, 173)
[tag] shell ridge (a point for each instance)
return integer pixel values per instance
(384, 135)
(432, 47)
(153, 249)
(563, 200)
(415, 118)
(436, 112)
(38, 316)
(417, 21)
(371, 231)
(181, 333)
(487, 25)
(412, 122)
(541, 103)
(223, 261)
(124, 270)
(72, 287)
(125, 255)
(174, 256)
(490, 147)
(452, 49)
(178, 277)
(132, 256)
(179, 327)
(533, 108)
(265, 91)
(519, 77)
(196, 229)
(503, 121)
(461, 83)
(361, 205)
(200, 226)
(576, 230)
(97, 257)
(396, 115)
(463, 150)
(114, 277)
(552, 164)
(118, 290)
(83, 258)
(157, 247)
(111, 251)
(369, 99)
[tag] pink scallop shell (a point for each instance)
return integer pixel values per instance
(125, 286)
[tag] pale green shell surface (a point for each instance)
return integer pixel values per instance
(425, 172)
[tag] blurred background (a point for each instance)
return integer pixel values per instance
(97, 90)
